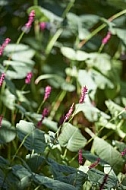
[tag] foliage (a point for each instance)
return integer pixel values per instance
(69, 52)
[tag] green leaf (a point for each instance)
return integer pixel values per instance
(97, 177)
(92, 158)
(18, 69)
(7, 132)
(60, 82)
(53, 184)
(85, 78)
(116, 110)
(34, 161)
(71, 137)
(8, 99)
(74, 55)
(121, 33)
(67, 174)
(23, 176)
(91, 113)
(19, 52)
(32, 138)
(106, 152)
(89, 20)
(101, 61)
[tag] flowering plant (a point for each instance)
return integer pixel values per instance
(62, 96)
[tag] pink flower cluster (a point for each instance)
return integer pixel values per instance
(44, 25)
(83, 94)
(28, 25)
(93, 165)
(44, 114)
(31, 19)
(47, 92)
(67, 116)
(80, 158)
(123, 153)
(5, 43)
(1, 117)
(106, 38)
(2, 77)
(28, 78)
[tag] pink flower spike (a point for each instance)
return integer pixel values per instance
(80, 158)
(28, 25)
(67, 116)
(106, 38)
(1, 118)
(44, 114)
(2, 77)
(83, 94)
(47, 92)
(93, 165)
(5, 43)
(28, 78)
(43, 25)
(123, 153)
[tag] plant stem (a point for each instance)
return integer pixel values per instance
(39, 108)
(20, 37)
(35, 2)
(68, 8)
(52, 41)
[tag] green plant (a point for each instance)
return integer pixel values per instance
(62, 96)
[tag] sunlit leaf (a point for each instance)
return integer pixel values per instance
(71, 137)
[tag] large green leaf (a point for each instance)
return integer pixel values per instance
(34, 161)
(100, 61)
(71, 137)
(98, 177)
(106, 152)
(7, 132)
(53, 184)
(23, 176)
(20, 52)
(67, 174)
(91, 113)
(33, 139)
(18, 69)
(74, 55)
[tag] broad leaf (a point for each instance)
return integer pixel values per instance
(53, 184)
(106, 152)
(23, 176)
(98, 177)
(32, 138)
(7, 132)
(71, 137)
(91, 113)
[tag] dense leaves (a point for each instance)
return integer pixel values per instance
(65, 46)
